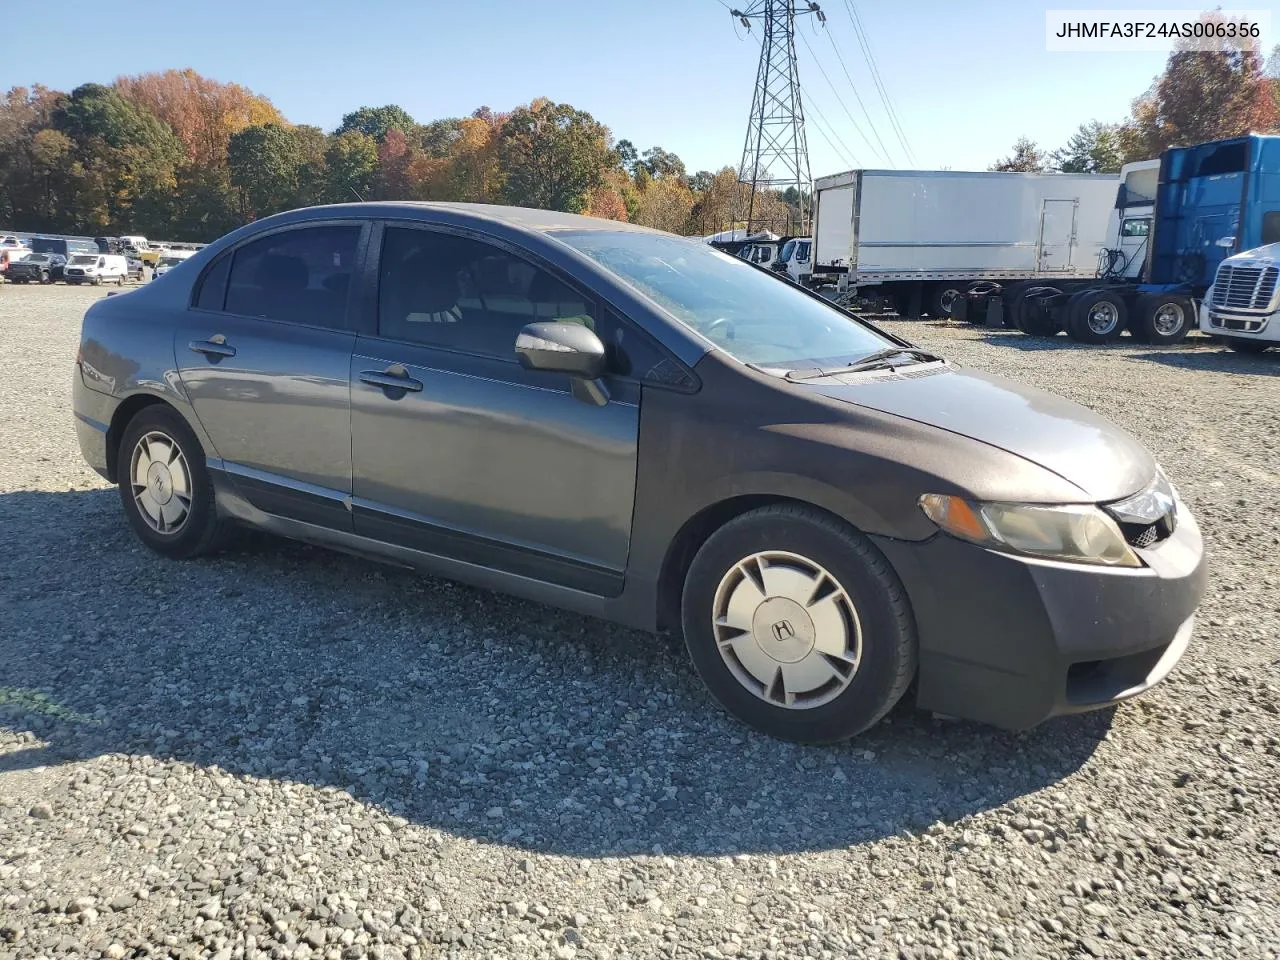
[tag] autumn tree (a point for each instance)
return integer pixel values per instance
(1094, 148)
(201, 112)
(377, 122)
(1202, 95)
(265, 163)
(553, 156)
(666, 205)
(351, 163)
(1026, 158)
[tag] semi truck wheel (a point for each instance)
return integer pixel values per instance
(1163, 318)
(1033, 323)
(943, 296)
(1096, 316)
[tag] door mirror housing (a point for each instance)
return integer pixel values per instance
(1225, 242)
(559, 347)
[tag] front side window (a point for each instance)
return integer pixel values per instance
(446, 291)
(298, 276)
(803, 256)
(1135, 227)
(753, 316)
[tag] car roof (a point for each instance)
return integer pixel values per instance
(525, 218)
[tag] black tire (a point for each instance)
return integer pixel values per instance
(120, 280)
(1241, 345)
(901, 304)
(1163, 318)
(44, 277)
(887, 662)
(97, 281)
(942, 295)
(1033, 324)
(202, 531)
(1086, 312)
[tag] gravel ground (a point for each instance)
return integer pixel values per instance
(284, 752)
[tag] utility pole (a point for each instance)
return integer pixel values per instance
(775, 155)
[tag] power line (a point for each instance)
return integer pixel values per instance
(836, 92)
(857, 96)
(846, 155)
(875, 75)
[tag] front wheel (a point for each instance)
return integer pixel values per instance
(44, 277)
(164, 487)
(97, 281)
(798, 625)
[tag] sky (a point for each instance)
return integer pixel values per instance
(965, 80)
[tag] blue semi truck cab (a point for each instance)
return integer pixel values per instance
(1213, 200)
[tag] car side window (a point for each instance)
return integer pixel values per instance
(213, 288)
(447, 291)
(298, 276)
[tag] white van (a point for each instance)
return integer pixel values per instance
(96, 268)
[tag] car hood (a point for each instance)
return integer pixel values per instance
(1092, 453)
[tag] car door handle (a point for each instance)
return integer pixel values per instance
(391, 381)
(215, 348)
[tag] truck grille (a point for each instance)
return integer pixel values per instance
(1244, 288)
(75, 273)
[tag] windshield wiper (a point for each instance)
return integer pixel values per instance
(878, 360)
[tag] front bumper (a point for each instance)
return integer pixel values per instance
(1012, 641)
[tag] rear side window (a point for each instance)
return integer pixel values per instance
(213, 289)
(1271, 227)
(300, 276)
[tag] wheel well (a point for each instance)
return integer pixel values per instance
(120, 420)
(695, 532)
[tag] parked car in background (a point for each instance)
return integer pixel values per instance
(137, 269)
(96, 268)
(10, 254)
(640, 427)
(37, 268)
(138, 246)
(171, 259)
(107, 244)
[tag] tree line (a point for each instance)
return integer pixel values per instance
(184, 157)
(1200, 96)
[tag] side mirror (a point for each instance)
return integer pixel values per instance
(559, 347)
(1225, 242)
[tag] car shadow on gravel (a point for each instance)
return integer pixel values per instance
(481, 715)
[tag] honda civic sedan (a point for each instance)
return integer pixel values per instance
(636, 426)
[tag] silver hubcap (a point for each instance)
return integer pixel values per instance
(161, 483)
(1168, 319)
(787, 630)
(1103, 317)
(948, 300)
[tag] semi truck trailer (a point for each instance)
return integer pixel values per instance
(922, 239)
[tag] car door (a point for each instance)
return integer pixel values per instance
(458, 450)
(264, 353)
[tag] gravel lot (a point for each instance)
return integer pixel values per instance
(284, 752)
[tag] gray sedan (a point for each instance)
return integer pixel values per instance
(638, 427)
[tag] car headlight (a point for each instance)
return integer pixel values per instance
(1080, 533)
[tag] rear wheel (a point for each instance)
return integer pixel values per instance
(798, 625)
(1241, 345)
(1163, 319)
(1097, 316)
(164, 487)
(44, 277)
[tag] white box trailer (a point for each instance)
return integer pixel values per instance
(927, 236)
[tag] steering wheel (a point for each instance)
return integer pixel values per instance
(720, 329)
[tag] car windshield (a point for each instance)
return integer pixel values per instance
(84, 259)
(36, 258)
(753, 316)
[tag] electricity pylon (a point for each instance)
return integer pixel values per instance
(775, 155)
